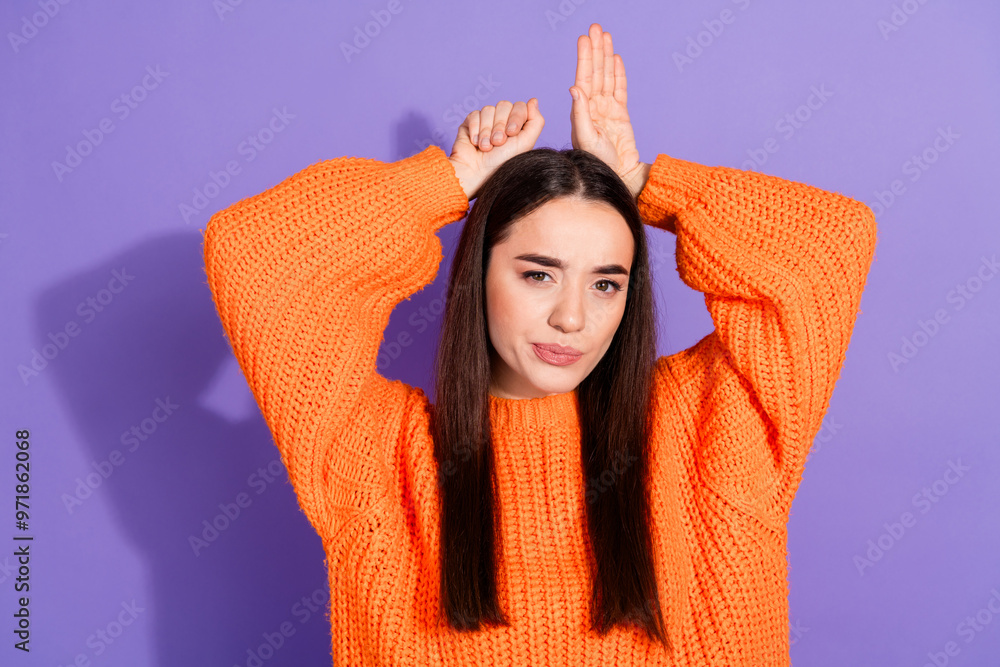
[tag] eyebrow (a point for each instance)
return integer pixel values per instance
(556, 263)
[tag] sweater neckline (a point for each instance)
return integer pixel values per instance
(531, 413)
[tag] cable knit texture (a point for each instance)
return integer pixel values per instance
(305, 276)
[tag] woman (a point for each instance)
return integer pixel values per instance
(586, 506)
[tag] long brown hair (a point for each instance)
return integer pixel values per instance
(614, 402)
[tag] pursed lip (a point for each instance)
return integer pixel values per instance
(559, 349)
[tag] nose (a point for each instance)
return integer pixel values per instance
(568, 314)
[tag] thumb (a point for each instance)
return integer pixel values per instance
(582, 124)
(461, 137)
(534, 123)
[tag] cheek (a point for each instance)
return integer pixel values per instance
(619, 312)
(501, 311)
(609, 319)
(605, 313)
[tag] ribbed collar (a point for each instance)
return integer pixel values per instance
(534, 414)
(536, 448)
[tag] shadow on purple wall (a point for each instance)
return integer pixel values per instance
(159, 339)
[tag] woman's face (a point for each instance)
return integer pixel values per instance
(561, 278)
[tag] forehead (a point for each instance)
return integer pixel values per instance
(568, 228)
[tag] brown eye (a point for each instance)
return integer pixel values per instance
(616, 287)
(531, 274)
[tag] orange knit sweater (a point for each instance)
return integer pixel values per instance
(305, 275)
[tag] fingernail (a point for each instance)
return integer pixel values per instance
(511, 127)
(576, 95)
(475, 140)
(498, 136)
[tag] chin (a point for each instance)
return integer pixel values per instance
(557, 386)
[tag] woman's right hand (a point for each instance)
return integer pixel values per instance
(490, 137)
(599, 122)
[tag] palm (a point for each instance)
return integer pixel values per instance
(614, 140)
(600, 122)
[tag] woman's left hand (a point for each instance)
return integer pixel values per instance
(599, 118)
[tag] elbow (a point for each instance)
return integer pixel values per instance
(866, 232)
(859, 250)
(848, 249)
(217, 237)
(858, 232)
(217, 226)
(210, 242)
(222, 230)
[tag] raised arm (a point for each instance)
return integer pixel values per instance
(782, 266)
(304, 276)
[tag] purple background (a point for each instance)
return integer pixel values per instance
(890, 433)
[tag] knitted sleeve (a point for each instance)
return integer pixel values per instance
(782, 266)
(304, 276)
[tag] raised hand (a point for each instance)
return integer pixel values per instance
(599, 117)
(489, 137)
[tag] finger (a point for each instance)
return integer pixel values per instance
(581, 121)
(621, 83)
(609, 66)
(597, 55)
(499, 134)
(463, 131)
(518, 115)
(584, 64)
(485, 126)
(472, 120)
(533, 126)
